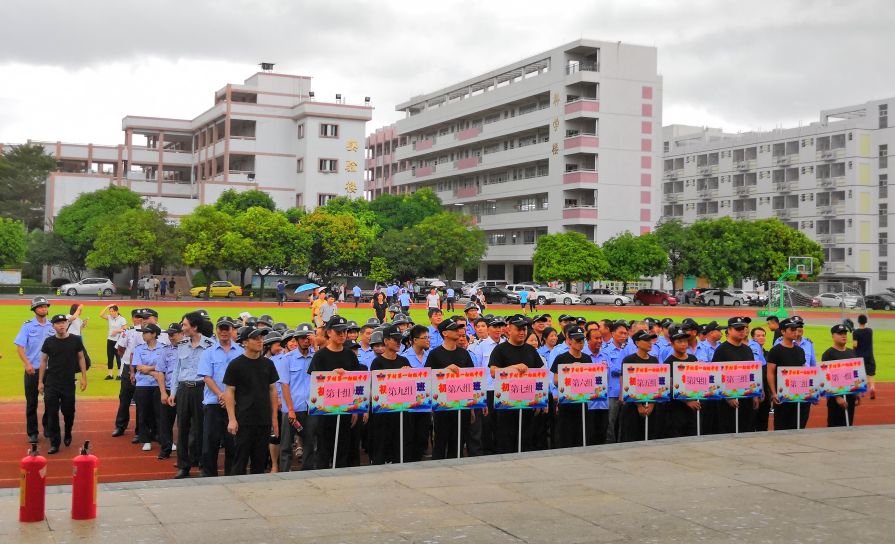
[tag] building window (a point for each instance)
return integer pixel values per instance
(299, 200)
(300, 166)
(883, 116)
(883, 244)
(301, 131)
(883, 215)
(884, 156)
(323, 198)
(883, 270)
(883, 185)
(328, 166)
(329, 131)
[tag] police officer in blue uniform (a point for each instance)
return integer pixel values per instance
(164, 375)
(187, 390)
(127, 343)
(147, 356)
(28, 343)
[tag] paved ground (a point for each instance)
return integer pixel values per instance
(122, 461)
(797, 486)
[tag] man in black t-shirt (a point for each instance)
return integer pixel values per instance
(736, 348)
(681, 420)
(449, 356)
(385, 429)
(836, 406)
(333, 357)
(251, 400)
(515, 355)
(568, 421)
(61, 356)
(632, 415)
(786, 353)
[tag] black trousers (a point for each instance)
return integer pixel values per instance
(125, 396)
(112, 356)
(450, 304)
(681, 420)
(167, 415)
(507, 431)
(325, 431)
(189, 425)
(785, 416)
(287, 436)
(147, 399)
(489, 424)
(385, 438)
(728, 416)
(632, 426)
(836, 414)
(251, 448)
(31, 396)
(214, 434)
(474, 446)
(417, 430)
(569, 432)
(445, 443)
(59, 396)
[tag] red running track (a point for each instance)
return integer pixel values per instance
(122, 461)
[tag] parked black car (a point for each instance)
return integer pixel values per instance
(880, 301)
(499, 295)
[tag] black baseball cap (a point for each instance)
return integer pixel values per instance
(149, 312)
(519, 320)
(675, 332)
(351, 344)
(666, 323)
(711, 326)
(151, 327)
(449, 325)
(575, 333)
(565, 317)
(224, 322)
(391, 331)
(839, 329)
(58, 317)
(540, 317)
(641, 336)
(616, 324)
(497, 322)
(136, 312)
(738, 322)
(273, 337)
(266, 319)
(246, 333)
(790, 324)
(580, 320)
(470, 306)
(337, 323)
(174, 328)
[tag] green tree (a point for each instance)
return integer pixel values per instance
(404, 211)
(674, 238)
(567, 257)
(23, 174)
(720, 248)
(357, 207)
(79, 223)
(277, 246)
(339, 244)
(379, 270)
(770, 244)
(633, 257)
(406, 252)
(138, 237)
(12, 242)
(46, 248)
(295, 215)
(451, 241)
(205, 232)
(232, 201)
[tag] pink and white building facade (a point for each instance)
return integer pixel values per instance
(565, 140)
(269, 133)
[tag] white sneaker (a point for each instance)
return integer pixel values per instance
(147, 446)
(173, 447)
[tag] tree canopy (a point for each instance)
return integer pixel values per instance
(232, 201)
(568, 257)
(23, 175)
(12, 242)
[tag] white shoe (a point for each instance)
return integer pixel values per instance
(147, 446)
(173, 447)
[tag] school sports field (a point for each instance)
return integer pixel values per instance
(122, 461)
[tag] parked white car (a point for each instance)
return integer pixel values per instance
(562, 297)
(838, 300)
(89, 286)
(713, 297)
(534, 292)
(605, 296)
(471, 288)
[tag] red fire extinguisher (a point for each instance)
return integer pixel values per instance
(32, 486)
(83, 485)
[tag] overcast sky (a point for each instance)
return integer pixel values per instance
(70, 70)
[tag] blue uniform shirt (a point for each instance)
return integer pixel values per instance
(356, 291)
(705, 351)
(523, 297)
(757, 351)
(365, 356)
(612, 356)
(299, 379)
(167, 364)
(416, 362)
(214, 363)
(31, 337)
(149, 357)
(404, 299)
(188, 361)
(435, 338)
(450, 292)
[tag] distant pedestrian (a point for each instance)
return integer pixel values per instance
(523, 299)
(163, 287)
(356, 293)
(862, 342)
(450, 299)
(171, 286)
(328, 309)
(404, 301)
(281, 293)
(432, 299)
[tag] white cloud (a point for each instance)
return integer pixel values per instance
(71, 70)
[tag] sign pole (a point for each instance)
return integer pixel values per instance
(520, 430)
(798, 415)
(458, 433)
(698, 426)
(401, 434)
(847, 424)
(583, 424)
(646, 428)
(736, 418)
(336, 441)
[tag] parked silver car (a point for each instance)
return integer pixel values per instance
(89, 286)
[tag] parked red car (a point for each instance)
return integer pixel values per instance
(645, 297)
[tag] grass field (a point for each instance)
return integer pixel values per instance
(12, 317)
